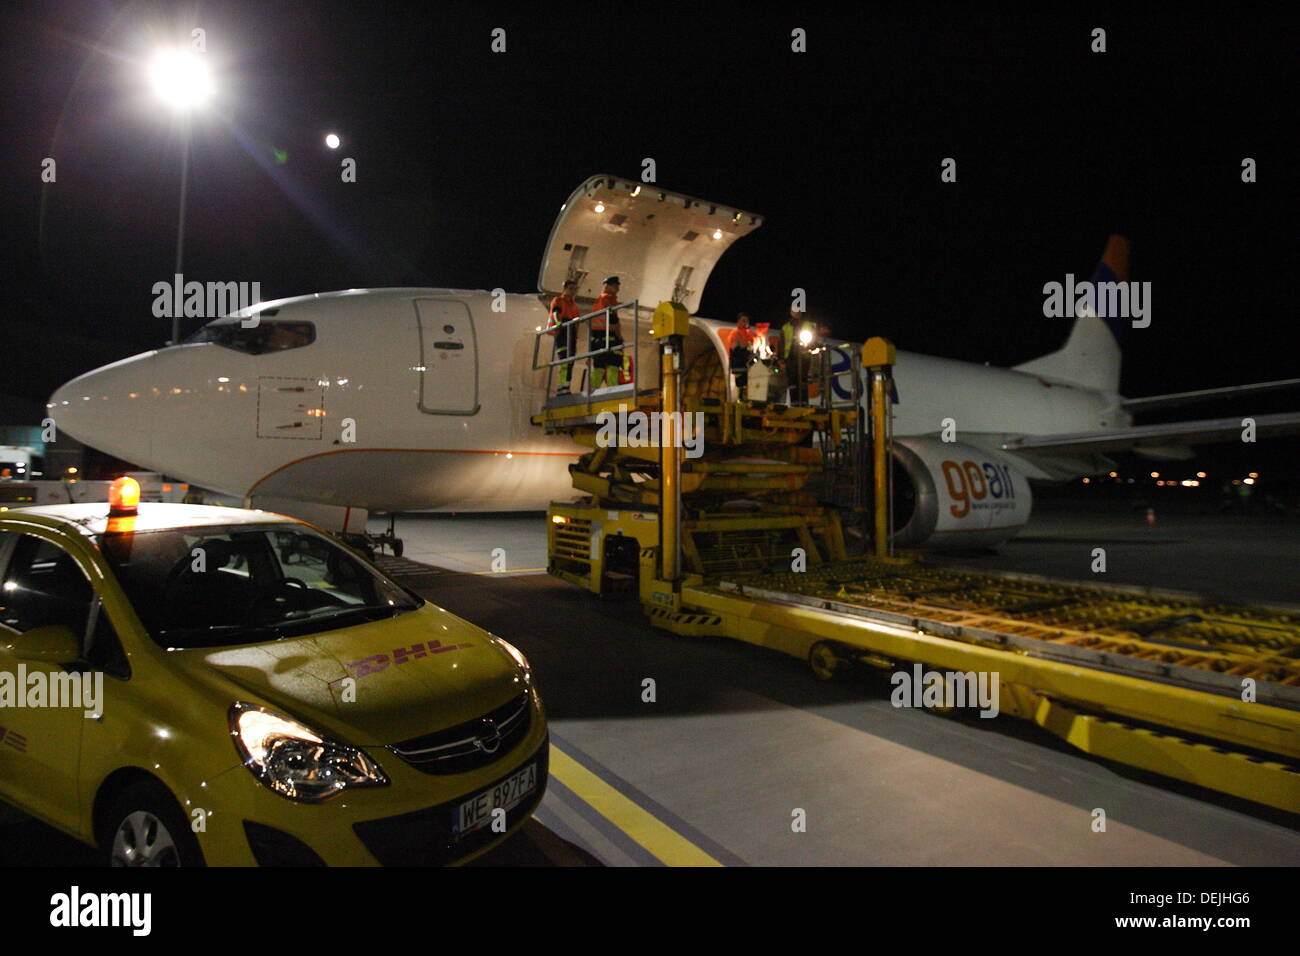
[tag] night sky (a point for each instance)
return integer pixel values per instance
(464, 157)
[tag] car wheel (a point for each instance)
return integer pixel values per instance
(145, 827)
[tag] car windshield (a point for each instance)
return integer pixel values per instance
(225, 586)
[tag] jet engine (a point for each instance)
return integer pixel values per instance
(950, 496)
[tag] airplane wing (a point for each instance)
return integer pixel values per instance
(1206, 431)
(1175, 399)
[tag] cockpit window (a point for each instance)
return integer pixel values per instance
(266, 336)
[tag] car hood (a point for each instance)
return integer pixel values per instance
(412, 674)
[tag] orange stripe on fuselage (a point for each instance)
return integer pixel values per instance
(1001, 527)
(420, 451)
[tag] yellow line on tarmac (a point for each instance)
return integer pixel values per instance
(661, 840)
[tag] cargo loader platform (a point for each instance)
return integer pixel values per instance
(747, 541)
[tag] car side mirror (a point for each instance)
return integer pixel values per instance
(55, 644)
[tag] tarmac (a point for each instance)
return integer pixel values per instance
(742, 758)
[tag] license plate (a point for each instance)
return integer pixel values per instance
(476, 812)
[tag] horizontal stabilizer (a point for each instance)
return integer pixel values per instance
(1174, 399)
(1207, 431)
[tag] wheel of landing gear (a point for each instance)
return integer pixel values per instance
(398, 547)
(146, 827)
(826, 664)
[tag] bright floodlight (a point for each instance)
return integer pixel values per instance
(180, 79)
(332, 141)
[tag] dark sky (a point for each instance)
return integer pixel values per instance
(464, 157)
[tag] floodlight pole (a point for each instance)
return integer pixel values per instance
(180, 223)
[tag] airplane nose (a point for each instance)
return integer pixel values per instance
(106, 409)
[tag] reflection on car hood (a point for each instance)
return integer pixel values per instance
(411, 674)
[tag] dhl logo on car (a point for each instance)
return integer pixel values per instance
(399, 655)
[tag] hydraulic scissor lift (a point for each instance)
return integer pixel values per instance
(1201, 693)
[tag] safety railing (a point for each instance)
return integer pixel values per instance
(565, 338)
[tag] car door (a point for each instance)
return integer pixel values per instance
(40, 743)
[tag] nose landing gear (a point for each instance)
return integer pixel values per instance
(373, 544)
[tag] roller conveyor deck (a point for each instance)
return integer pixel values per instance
(1179, 640)
(1198, 692)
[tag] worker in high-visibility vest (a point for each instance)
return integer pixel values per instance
(605, 332)
(819, 359)
(564, 309)
(796, 337)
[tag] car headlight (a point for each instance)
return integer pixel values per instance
(294, 760)
(515, 653)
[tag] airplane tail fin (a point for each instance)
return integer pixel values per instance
(1091, 355)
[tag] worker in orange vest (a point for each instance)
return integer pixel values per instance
(606, 333)
(564, 309)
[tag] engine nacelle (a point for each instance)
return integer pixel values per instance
(950, 496)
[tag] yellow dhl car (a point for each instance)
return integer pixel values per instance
(266, 696)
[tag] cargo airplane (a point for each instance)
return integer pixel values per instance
(328, 405)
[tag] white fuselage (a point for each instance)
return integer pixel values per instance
(982, 400)
(388, 410)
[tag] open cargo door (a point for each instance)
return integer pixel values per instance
(662, 245)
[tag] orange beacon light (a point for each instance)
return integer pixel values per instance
(123, 497)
